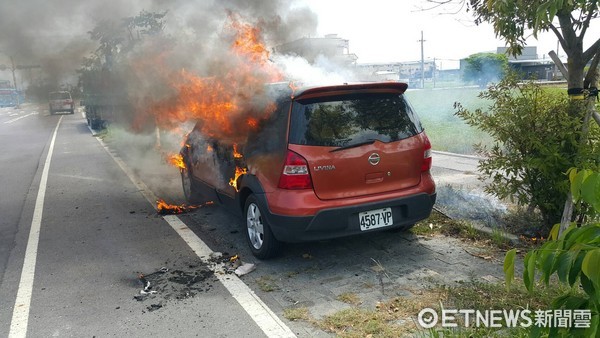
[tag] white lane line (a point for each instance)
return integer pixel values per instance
(20, 117)
(20, 318)
(264, 317)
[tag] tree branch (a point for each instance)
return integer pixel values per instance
(568, 32)
(562, 41)
(590, 52)
(591, 78)
(596, 117)
(559, 64)
(589, 17)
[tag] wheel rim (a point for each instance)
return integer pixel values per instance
(255, 226)
(187, 184)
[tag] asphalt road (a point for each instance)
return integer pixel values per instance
(97, 234)
(99, 231)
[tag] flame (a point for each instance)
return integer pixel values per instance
(176, 160)
(238, 172)
(209, 149)
(223, 98)
(165, 208)
(236, 153)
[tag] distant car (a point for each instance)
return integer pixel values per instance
(328, 162)
(61, 101)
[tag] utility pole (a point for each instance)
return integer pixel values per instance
(12, 61)
(433, 73)
(422, 62)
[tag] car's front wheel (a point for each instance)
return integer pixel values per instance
(189, 190)
(258, 231)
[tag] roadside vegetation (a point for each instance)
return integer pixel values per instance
(397, 316)
(536, 141)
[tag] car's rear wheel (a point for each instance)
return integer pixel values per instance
(189, 190)
(258, 231)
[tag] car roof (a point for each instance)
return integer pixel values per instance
(347, 88)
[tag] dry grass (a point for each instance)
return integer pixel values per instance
(266, 283)
(300, 313)
(349, 298)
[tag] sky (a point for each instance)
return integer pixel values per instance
(390, 30)
(55, 33)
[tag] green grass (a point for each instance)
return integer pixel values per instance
(447, 132)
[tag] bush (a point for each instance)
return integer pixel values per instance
(574, 257)
(535, 143)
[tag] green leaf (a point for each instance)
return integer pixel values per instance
(591, 266)
(587, 285)
(554, 231)
(592, 331)
(583, 234)
(575, 270)
(590, 190)
(564, 262)
(577, 182)
(559, 301)
(509, 267)
(529, 272)
(547, 258)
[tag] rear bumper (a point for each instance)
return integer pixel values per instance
(343, 221)
(61, 107)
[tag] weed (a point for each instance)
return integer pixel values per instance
(349, 298)
(300, 313)
(266, 283)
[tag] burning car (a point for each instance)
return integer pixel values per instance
(60, 101)
(327, 162)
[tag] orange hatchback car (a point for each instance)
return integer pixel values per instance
(328, 162)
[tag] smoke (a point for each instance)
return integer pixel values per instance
(208, 63)
(54, 34)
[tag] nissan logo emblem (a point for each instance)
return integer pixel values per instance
(374, 159)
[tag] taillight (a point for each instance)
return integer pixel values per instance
(295, 173)
(426, 164)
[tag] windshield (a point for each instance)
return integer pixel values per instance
(346, 120)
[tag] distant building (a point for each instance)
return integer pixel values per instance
(399, 71)
(331, 46)
(529, 64)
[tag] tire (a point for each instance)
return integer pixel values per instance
(260, 239)
(96, 124)
(72, 111)
(189, 190)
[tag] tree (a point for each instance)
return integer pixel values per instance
(569, 20)
(483, 68)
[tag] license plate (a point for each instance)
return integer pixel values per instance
(375, 219)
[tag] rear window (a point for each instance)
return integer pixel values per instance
(345, 120)
(60, 96)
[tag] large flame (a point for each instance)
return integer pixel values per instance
(229, 101)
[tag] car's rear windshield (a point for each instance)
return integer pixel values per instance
(350, 119)
(60, 96)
